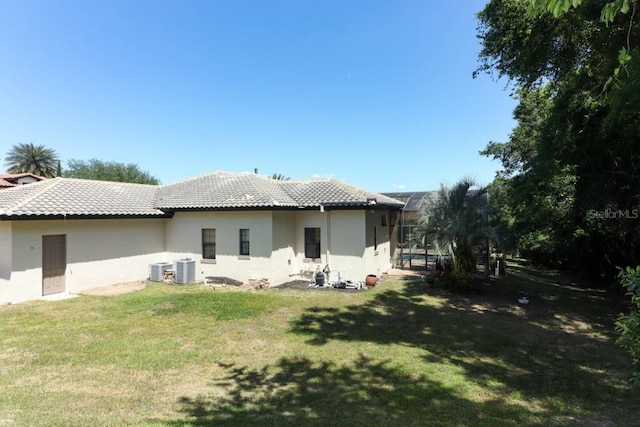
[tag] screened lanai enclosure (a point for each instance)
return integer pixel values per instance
(406, 255)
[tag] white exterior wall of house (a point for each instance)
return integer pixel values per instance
(345, 244)
(377, 255)
(184, 240)
(284, 264)
(106, 252)
(6, 260)
(98, 253)
(277, 244)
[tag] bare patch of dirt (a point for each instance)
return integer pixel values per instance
(307, 285)
(219, 280)
(118, 289)
(295, 284)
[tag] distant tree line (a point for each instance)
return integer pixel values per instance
(43, 161)
(107, 171)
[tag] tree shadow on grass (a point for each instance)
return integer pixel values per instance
(303, 392)
(558, 350)
(552, 362)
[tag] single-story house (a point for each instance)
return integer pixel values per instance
(8, 180)
(67, 235)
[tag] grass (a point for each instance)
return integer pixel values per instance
(400, 354)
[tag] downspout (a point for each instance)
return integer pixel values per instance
(402, 237)
(328, 238)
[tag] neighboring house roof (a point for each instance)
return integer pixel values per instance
(12, 179)
(215, 191)
(412, 199)
(67, 197)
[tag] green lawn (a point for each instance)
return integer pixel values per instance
(400, 354)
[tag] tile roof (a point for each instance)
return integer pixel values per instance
(330, 192)
(78, 197)
(217, 190)
(224, 190)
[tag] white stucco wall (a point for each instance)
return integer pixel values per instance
(99, 253)
(347, 243)
(6, 260)
(377, 259)
(283, 258)
(277, 244)
(105, 252)
(184, 240)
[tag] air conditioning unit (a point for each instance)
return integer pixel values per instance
(185, 270)
(156, 271)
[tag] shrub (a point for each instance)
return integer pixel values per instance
(628, 326)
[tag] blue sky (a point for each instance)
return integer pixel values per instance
(376, 93)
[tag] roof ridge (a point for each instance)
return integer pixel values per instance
(262, 187)
(284, 181)
(46, 184)
(265, 182)
(206, 174)
(105, 181)
(355, 187)
(187, 179)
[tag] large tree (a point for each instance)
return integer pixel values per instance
(574, 154)
(534, 193)
(30, 158)
(108, 171)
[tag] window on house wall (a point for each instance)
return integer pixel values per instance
(244, 241)
(312, 243)
(208, 243)
(384, 221)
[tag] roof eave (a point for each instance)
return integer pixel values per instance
(20, 217)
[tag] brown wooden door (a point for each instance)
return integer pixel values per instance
(54, 264)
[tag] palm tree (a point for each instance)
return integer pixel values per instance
(35, 159)
(279, 177)
(454, 222)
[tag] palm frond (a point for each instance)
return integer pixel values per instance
(455, 220)
(30, 158)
